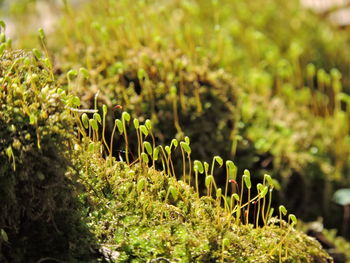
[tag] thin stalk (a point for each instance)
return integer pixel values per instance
(172, 167)
(257, 215)
(153, 147)
(242, 189)
(190, 169)
(226, 189)
(231, 204)
(280, 214)
(212, 174)
(268, 206)
(142, 147)
(43, 43)
(162, 158)
(126, 143)
(196, 178)
(167, 163)
(184, 165)
(80, 125)
(103, 131)
(138, 144)
(247, 215)
(205, 174)
(89, 130)
(263, 211)
(111, 143)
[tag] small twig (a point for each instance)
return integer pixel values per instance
(82, 110)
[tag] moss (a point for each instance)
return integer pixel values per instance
(232, 81)
(143, 224)
(39, 208)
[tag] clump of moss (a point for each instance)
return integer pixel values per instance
(40, 214)
(146, 214)
(131, 212)
(177, 94)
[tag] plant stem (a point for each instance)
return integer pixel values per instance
(183, 165)
(190, 169)
(111, 143)
(126, 143)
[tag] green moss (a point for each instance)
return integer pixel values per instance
(39, 208)
(229, 75)
(146, 214)
(142, 224)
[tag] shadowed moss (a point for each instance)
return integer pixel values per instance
(39, 207)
